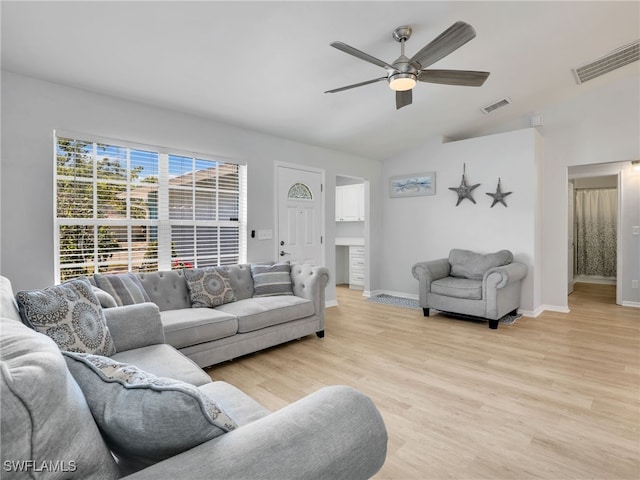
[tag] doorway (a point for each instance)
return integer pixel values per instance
(351, 250)
(593, 230)
(300, 207)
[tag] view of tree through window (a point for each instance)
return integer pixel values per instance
(135, 209)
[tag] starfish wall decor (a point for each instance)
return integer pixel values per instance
(499, 195)
(464, 190)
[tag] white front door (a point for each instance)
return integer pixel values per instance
(300, 215)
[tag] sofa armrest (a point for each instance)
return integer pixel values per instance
(500, 277)
(309, 281)
(134, 326)
(336, 432)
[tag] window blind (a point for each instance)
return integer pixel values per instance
(122, 207)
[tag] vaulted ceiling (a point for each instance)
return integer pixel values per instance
(265, 66)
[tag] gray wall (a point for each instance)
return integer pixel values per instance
(32, 109)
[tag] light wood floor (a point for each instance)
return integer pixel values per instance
(552, 397)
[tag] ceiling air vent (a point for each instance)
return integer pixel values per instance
(612, 60)
(496, 105)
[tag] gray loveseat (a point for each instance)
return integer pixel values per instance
(246, 325)
(49, 431)
(485, 286)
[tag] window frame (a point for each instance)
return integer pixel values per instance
(163, 223)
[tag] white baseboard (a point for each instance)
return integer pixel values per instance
(554, 308)
(330, 303)
(631, 304)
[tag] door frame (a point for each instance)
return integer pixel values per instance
(323, 205)
(598, 171)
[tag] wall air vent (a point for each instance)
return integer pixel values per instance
(496, 105)
(615, 59)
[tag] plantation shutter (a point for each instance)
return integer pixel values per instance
(125, 208)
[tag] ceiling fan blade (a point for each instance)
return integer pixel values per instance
(448, 41)
(467, 78)
(361, 55)
(403, 99)
(356, 85)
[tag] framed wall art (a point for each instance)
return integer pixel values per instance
(413, 185)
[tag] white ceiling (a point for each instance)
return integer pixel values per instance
(265, 65)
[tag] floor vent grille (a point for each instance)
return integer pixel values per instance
(611, 61)
(496, 105)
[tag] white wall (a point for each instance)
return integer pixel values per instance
(32, 109)
(599, 127)
(426, 228)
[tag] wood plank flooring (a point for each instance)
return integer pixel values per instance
(552, 397)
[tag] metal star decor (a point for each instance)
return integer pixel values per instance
(464, 190)
(499, 195)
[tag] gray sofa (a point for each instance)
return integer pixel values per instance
(484, 286)
(50, 431)
(246, 325)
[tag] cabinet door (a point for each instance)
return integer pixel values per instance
(350, 203)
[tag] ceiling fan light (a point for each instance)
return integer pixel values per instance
(401, 82)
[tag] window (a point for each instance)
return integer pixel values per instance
(124, 208)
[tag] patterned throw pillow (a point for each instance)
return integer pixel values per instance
(145, 418)
(70, 314)
(271, 280)
(125, 288)
(209, 286)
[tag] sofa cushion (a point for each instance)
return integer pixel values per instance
(145, 418)
(256, 313)
(125, 288)
(8, 305)
(467, 264)
(70, 314)
(239, 406)
(45, 417)
(163, 360)
(271, 280)
(209, 286)
(186, 327)
(167, 289)
(458, 288)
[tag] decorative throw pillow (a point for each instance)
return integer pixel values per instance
(145, 418)
(105, 299)
(209, 286)
(468, 264)
(70, 314)
(271, 280)
(125, 288)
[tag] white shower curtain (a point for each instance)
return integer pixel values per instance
(596, 220)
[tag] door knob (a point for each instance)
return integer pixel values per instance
(282, 243)
(283, 253)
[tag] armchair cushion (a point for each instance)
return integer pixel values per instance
(458, 288)
(468, 264)
(145, 418)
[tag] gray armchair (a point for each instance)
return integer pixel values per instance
(485, 286)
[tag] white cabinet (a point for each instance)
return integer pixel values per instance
(356, 267)
(350, 203)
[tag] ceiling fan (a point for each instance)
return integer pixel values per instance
(404, 73)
